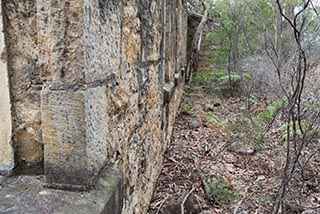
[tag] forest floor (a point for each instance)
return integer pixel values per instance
(224, 159)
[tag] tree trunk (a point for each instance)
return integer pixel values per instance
(196, 45)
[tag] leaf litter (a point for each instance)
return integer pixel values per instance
(218, 165)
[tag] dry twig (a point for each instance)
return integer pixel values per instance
(186, 198)
(161, 204)
(240, 202)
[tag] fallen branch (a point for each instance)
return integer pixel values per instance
(240, 202)
(177, 162)
(186, 198)
(161, 204)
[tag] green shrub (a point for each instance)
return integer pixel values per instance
(313, 106)
(204, 78)
(233, 77)
(261, 144)
(218, 76)
(214, 118)
(304, 126)
(187, 110)
(253, 99)
(268, 114)
(210, 37)
(219, 191)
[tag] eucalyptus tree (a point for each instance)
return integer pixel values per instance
(285, 32)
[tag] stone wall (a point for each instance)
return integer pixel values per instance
(101, 81)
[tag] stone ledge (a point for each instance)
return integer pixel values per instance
(168, 92)
(27, 194)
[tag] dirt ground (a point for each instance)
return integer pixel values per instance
(223, 159)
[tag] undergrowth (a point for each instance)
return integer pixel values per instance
(269, 113)
(221, 82)
(220, 192)
(186, 109)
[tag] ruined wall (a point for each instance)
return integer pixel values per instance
(156, 81)
(110, 75)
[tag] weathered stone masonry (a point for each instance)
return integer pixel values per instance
(95, 84)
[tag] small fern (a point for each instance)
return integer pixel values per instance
(304, 126)
(233, 77)
(214, 118)
(187, 110)
(269, 113)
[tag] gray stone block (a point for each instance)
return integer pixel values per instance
(65, 138)
(27, 194)
(75, 125)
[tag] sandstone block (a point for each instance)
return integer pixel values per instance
(101, 39)
(75, 125)
(28, 148)
(65, 138)
(61, 45)
(151, 33)
(131, 40)
(97, 124)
